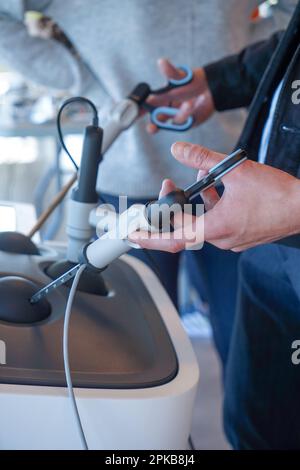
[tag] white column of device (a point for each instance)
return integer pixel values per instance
(79, 230)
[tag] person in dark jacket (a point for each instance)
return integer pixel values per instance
(260, 205)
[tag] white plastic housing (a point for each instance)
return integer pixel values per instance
(78, 228)
(34, 417)
(122, 115)
(114, 243)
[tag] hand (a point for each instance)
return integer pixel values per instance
(193, 99)
(260, 204)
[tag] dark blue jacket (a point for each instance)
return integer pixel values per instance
(249, 79)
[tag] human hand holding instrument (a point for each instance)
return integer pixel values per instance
(98, 254)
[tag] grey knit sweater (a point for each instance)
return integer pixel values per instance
(119, 42)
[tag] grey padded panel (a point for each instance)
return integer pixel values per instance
(118, 341)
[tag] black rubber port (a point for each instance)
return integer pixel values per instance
(15, 242)
(15, 306)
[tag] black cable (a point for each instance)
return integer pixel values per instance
(191, 443)
(76, 99)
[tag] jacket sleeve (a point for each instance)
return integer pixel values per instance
(233, 81)
(46, 62)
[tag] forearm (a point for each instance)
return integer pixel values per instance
(233, 80)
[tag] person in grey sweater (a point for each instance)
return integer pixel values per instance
(116, 45)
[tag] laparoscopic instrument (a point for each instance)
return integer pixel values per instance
(94, 254)
(143, 90)
(124, 113)
(122, 116)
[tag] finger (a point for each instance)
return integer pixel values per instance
(195, 156)
(184, 237)
(210, 198)
(202, 108)
(167, 186)
(184, 111)
(157, 241)
(180, 118)
(159, 100)
(196, 107)
(180, 219)
(169, 70)
(151, 128)
(237, 247)
(162, 118)
(240, 248)
(231, 245)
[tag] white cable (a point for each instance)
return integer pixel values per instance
(66, 355)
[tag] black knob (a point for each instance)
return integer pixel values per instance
(160, 213)
(15, 242)
(15, 293)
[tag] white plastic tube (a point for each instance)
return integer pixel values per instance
(115, 242)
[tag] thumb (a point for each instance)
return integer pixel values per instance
(195, 156)
(169, 70)
(167, 187)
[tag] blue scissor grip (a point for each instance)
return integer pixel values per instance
(185, 80)
(170, 126)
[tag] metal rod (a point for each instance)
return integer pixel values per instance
(216, 173)
(54, 284)
(56, 201)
